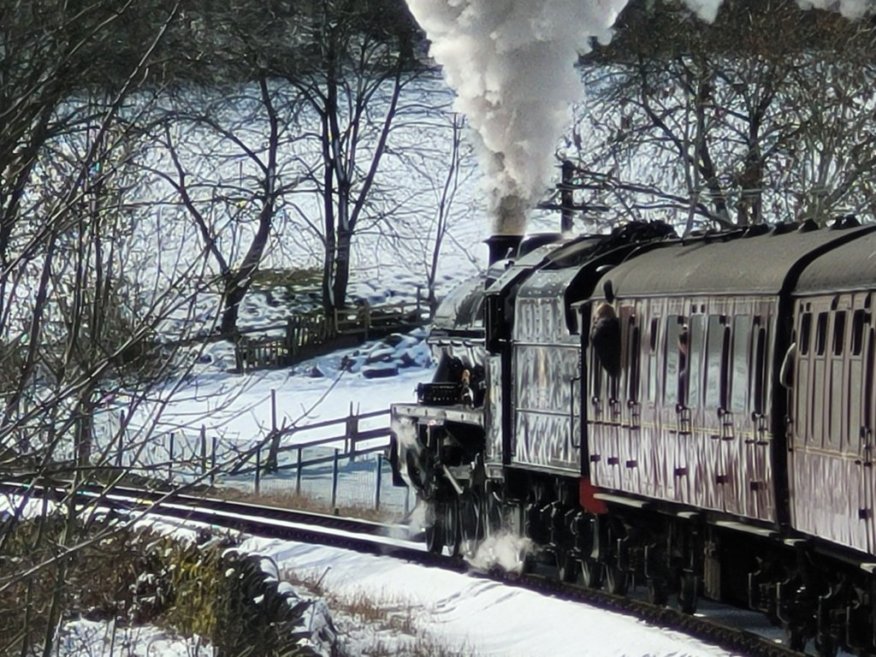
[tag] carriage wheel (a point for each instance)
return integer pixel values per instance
(616, 580)
(569, 567)
(687, 594)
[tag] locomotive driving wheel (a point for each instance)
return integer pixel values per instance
(434, 530)
(472, 512)
(443, 527)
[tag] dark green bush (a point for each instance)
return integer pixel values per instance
(203, 587)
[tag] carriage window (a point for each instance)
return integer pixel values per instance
(717, 346)
(596, 373)
(652, 360)
(739, 373)
(839, 332)
(821, 334)
(867, 415)
(805, 333)
(675, 361)
(695, 358)
(634, 359)
(859, 321)
(759, 368)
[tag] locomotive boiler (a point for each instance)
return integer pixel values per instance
(693, 415)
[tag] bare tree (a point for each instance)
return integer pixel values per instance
(354, 88)
(730, 111)
(422, 229)
(230, 179)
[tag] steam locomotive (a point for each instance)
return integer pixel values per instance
(693, 415)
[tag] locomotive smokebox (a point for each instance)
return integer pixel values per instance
(503, 246)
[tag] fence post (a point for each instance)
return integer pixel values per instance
(377, 483)
(352, 433)
(238, 357)
(258, 470)
(407, 500)
(335, 477)
(367, 308)
(203, 449)
(298, 474)
(170, 460)
(213, 461)
(273, 410)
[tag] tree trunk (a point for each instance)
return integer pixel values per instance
(342, 267)
(234, 295)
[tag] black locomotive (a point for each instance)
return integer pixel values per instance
(695, 415)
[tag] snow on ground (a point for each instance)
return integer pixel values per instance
(100, 639)
(469, 615)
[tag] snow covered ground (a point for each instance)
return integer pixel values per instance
(385, 606)
(468, 615)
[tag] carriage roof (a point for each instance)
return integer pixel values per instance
(724, 264)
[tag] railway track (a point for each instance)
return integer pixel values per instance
(730, 629)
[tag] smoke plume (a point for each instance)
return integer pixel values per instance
(511, 63)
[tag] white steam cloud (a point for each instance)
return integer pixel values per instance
(511, 63)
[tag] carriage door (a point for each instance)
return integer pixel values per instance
(759, 462)
(703, 454)
(717, 418)
(843, 421)
(631, 406)
(806, 408)
(859, 434)
(651, 468)
(604, 419)
(676, 468)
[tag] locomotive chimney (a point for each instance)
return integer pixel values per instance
(509, 225)
(503, 246)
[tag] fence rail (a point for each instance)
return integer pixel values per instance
(324, 460)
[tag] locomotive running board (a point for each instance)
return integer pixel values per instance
(625, 501)
(742, 527)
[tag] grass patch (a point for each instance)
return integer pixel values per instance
(394, 630)
(295, 502)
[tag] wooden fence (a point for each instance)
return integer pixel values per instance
(314, 334)
(348, 440)
(344, 445)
